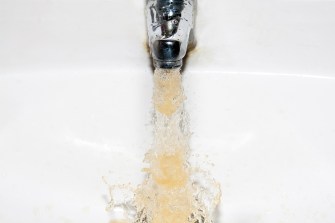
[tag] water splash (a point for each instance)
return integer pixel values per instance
(173, 191)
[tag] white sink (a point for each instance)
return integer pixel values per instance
(75, 105)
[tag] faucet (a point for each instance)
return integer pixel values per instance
(170, 27)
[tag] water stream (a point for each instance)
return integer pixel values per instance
(173, 191)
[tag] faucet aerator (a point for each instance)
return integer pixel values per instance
(170, 25)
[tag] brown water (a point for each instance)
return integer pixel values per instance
(173, 190)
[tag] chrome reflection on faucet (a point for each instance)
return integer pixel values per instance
(170, 25)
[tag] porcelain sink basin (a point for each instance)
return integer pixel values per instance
(75, 105)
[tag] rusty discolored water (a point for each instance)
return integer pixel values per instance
(173, 190)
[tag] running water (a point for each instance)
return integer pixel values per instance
(173, 191)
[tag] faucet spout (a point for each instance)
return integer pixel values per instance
(170, 25)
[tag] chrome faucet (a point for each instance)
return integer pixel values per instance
(170, 26)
